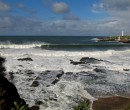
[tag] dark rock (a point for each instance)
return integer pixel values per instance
(100, 70)
(8, 92)
(30, 73)
(20, 65)
(25, 59)
(38, 78)
(76, 63)
(38, 102)
(11, 75)
(69, 73)
(50, 77)
(55, 81)
(35, 84)
(90, 60)
(126, 69)
(2, 68)
(60, 75)
(34, 107)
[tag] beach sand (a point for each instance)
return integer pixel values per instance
(111, 103)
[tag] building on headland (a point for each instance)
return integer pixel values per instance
(122, 34)
(123, 39)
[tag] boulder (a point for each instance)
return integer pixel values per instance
(35, 107)
(2, 68)
(35, 84)
(8, 92)
(25, 59)
(90, 60)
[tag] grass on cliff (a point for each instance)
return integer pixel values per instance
(20, 106)
(83, 105)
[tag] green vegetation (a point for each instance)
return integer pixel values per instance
(20, 106)
(128, 108)
(122, 37)
(83, 105)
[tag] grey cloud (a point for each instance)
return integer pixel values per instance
(23, 7)
(117, 5)
(56, 7)
(22, 25)
(5, 22)
(59, 24)
(60, 7)
(71, 17)
(4, 6)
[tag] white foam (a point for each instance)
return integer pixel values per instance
(9, 45)
(57, 60)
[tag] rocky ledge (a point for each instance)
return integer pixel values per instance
(9, 97)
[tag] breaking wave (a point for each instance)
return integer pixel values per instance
(26, 45)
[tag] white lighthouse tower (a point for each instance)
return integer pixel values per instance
(122, 33)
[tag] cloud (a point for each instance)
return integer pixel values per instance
(4, 7)
(27, 26)
(71, 17)
(119, 15)
(23, 7)
(60, 7)
(113, 5)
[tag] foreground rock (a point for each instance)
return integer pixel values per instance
(2, 68)
(111, 103)
(8, 92)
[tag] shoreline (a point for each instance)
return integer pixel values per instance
(123, 39)
(111, 103)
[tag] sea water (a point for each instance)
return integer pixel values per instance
(54, 53)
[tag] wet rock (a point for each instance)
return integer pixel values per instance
(38, 102)
(29, 72)
(69, 73)
(8, 92)
(35, 84)
(38, 78)
(90, 60)
(55, 81)
(49, 78)
(25, 59)
(11, 75)
(35, 107)
(76, 63)
(2, 68)
(100, 70)
(126, 69)
(20, 66)
(60, 75)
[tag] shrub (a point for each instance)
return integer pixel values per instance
(83, 105)
(19, 106)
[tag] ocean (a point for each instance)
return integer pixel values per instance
(105, 72)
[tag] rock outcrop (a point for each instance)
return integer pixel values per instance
(8, 92)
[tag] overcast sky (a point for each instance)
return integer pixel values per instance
(64, 17)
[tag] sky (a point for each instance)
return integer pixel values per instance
(65, 17)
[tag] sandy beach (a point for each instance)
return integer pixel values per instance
(111, 103)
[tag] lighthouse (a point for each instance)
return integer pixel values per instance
(122, 33)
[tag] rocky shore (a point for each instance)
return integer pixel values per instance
(57, 89)
(9, 97)
(123, 39)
